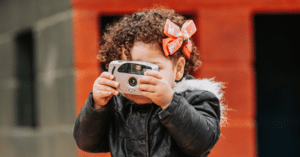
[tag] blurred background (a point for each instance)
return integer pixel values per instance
(48, 65)
(36, 78)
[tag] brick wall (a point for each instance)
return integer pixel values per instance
(225, 38)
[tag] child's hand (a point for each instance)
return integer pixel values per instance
(155, 87)
(104, 89)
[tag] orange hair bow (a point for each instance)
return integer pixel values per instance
(178, 38)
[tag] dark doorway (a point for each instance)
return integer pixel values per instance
(25, 71)
(277, 46)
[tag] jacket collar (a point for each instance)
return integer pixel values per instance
(190, 83)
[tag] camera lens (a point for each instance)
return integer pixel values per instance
(132, 81)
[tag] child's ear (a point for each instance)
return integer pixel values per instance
(180, 68)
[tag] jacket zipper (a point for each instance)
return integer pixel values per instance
(147, 123)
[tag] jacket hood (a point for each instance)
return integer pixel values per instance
(190, 83)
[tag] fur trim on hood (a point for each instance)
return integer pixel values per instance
(189, 83)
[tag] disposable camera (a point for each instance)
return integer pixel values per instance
(127, 73)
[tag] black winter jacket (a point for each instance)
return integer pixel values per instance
(189, 126)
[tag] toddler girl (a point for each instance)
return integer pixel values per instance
(175, 115)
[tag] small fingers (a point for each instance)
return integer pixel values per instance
(107, 89)
(153, 73)
(147, 94)
(148, 80)
(104, 93)
(107, 82)
(146, 87)
(107, 75)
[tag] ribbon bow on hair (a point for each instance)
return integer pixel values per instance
(178, 38)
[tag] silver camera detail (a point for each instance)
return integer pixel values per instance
(127, 73)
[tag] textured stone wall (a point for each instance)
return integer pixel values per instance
(50, 22)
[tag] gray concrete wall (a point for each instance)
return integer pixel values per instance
(50, 21)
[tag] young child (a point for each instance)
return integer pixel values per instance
(175, 115)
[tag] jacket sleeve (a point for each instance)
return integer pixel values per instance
(193, 121)
(91, 127)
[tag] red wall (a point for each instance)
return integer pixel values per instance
(226, 42)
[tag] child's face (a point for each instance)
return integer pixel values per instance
(151, 53)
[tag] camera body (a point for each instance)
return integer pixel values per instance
(127, 73)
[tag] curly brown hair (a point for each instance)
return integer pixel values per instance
(146, 26)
